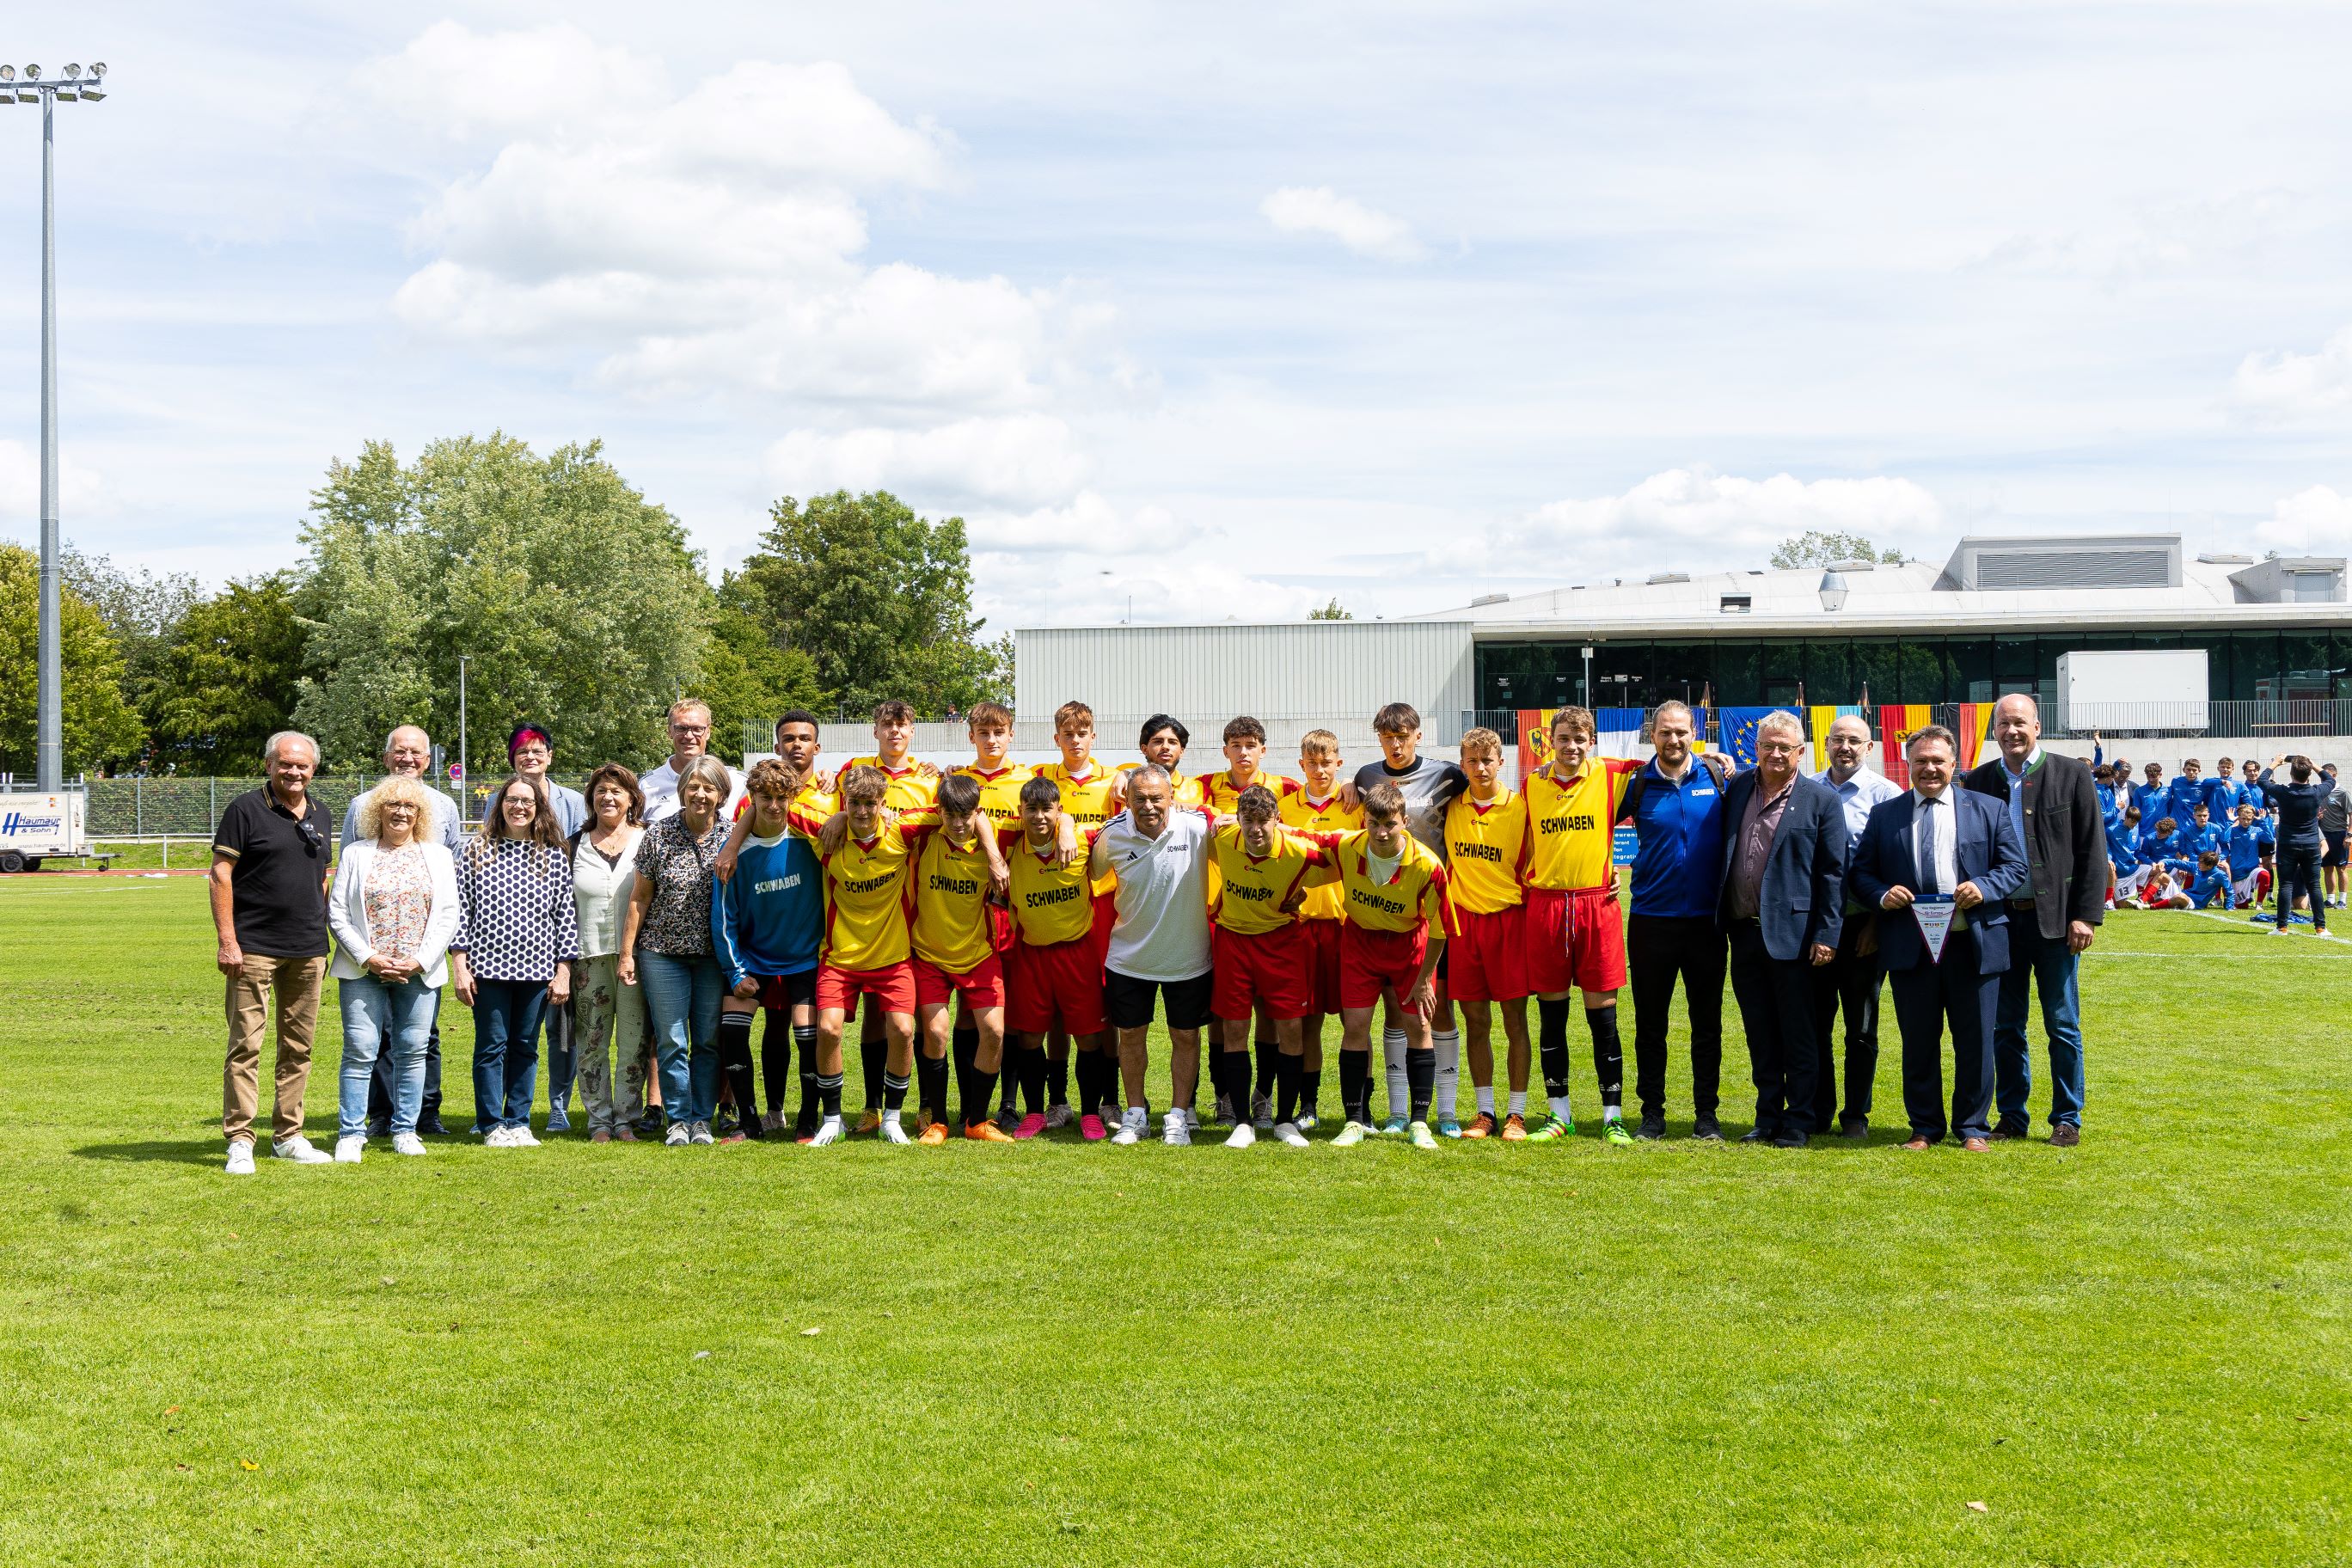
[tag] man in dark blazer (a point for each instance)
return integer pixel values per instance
(2053, 804)
(1937, 839)
(1782, 903)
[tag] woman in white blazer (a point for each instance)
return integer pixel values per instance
(608, 1017)
(393, 910)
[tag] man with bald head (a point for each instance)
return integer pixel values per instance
(2053, 804)
(408, 752)
(1850, 982)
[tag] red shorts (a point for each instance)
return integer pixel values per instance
(1054, 983)
(1574, 939)
(1106, 917)
(982, 985)
(892, 987)
(1372, 962)
(1488, 958)
(778, 991)
(1323, 964)
(1271, 967)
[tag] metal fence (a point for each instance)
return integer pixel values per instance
(191, 808)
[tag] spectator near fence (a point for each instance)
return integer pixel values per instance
(2336, 833)
(408, 751)
(2298, 799)
(270, 862)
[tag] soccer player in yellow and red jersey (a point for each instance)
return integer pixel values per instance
(913, 787)
(868, 948)
(957, 867)
(1258, 946)
(1054, 969)
(1394, 911)
(1487, 846)
(1576, 933)
(1317, 806)
(1086, 789)
(990, 726)
(1244, 745)
(1163, 742)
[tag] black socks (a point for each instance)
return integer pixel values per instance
(776, 1058)
(1057, 1076)
(872, 1058)
(828, 1089)
(805, 1043)
(1269, 1072)
(932, 1083)
(1356, 1085)
(980, 1088)
(894, 1090)
(1287, 1072)
(1608, 1054)
(1552, 1023)
(1420, 1078)
(735, 1065)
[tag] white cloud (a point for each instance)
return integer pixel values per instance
(2290, 385)
(1319, 209)
(2315, 521)
(1688, 517)
(1154, 586)
(78, 490)
(459, 83)
(1020, 459)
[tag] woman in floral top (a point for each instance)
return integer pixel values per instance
(608, 1018)
(514, 958)
(667, 937)
(393, 910)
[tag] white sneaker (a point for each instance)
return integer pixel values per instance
(1191, 1120)
(827, 1131)
(1130, 1128)
(1242, 1137)
(892, 1133)
(1176, 1131)
(496, 1138)
(521, 1138)
(407, 1143)
(298, 1149)
(677, 1136)
(1306, 1122)
(240, 1157)
(347, 1149)
(1057, 1116)
(1289, 1133)
(700, 1134)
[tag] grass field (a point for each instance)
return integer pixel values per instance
(2132, 1352)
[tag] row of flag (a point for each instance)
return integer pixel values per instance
(1892, 726)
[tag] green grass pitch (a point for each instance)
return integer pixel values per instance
(2134, 1352)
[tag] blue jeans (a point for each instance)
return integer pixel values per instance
(386, 1022)
(683, 995)
(2045, 964)
(506, 1051)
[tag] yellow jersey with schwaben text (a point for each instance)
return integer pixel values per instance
(817, 799)
(1220, 794)
(1573, 825)
(1486, 852)
(1051, 903)
(1186, 793)
(1302, 814)
(1085, 801)
(999, 792)
(868, 898)
(1246, 891)
(1413, 896)
(951, 928)
(910, 789)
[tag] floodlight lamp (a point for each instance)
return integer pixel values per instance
(89, 91)
(98, 68)
(32, 73)
(8, 73)
(72, 71)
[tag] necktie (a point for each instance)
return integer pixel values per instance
(1930, 880)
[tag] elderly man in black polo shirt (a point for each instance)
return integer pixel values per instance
(271, 857)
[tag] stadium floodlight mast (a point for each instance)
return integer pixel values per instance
(49, 752)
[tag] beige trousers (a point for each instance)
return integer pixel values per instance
(293, 985)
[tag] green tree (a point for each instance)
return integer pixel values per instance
(1334, 611)
(879, 599)
(574, 600)
(228, 677)
(746, 677)
(1816, 547)
(101, 728)
(140, 609)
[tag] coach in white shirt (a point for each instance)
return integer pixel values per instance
(1160, 945)
(1851, 981)
(689, 738)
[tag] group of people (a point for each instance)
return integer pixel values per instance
(2228, 841)
(1020, 928)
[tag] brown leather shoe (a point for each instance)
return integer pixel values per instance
(1974, 1145)
(1915, 1143)
(2011, 1132)
(2065, 1135)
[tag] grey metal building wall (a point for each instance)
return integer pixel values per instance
(1294, 675)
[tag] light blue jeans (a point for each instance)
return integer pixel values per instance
(392, 1020)
(683, 995)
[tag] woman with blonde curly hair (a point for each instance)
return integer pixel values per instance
(394, 911)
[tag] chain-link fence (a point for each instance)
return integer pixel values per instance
(191, 808)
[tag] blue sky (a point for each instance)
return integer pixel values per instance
(1224, 311)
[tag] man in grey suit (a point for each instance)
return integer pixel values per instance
(2053, 804)
(1933, 842)
(1782, 904)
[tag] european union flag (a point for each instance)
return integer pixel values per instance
(1737, 728)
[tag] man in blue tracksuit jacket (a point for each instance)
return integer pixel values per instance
(767, 922)
(1675, 804)
(2185, 792)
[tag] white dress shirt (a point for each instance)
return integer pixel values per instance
(1857, 794)
(659, 787)
(1946, 870)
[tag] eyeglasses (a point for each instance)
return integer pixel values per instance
(532, 752)
(689, 729)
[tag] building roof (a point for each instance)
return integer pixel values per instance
(1882, 598)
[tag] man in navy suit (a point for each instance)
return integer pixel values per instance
(1782, 902)
(1936, 838)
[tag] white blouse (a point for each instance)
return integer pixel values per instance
(603, 892)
